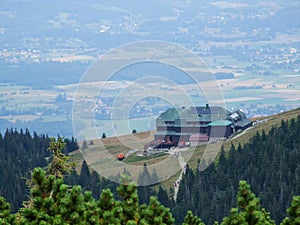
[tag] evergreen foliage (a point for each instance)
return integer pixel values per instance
(156, 214)
(293, 212)
(249, 210)
(144, 190)
(59, 165)
(84, 145)
(269, 162)
(190, 219)
(6, 217)
(20, 153)
(54, 202)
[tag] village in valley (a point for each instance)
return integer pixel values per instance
(255, 62)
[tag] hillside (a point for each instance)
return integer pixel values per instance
(267, 157)
(243, 161)
(250, 145)
(264, 123)
(123, 144)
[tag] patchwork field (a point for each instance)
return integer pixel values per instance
(256, 86)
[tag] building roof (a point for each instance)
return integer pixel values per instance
(170, 115)
(202, 116)
(243, 123)
(201, 110)
(220, 123)
(194, 114)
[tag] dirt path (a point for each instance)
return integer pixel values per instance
(182, 164)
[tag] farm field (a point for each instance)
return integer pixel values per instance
(118, 105)
(238, 93)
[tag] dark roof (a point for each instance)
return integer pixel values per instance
(207, 110)
(244, 123)
(203, 116)
(195, 113)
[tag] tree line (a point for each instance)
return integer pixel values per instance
(20, 153)
(54, 202)
(268, 162)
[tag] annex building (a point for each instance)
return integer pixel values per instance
(198, 124)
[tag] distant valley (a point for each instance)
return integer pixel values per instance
(47, 48)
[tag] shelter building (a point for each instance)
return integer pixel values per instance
(199, 124)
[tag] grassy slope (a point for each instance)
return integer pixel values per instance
(269, 121)
(115, 146)
(273, 120)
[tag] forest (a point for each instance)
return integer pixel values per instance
(268, 163)
(20, 153)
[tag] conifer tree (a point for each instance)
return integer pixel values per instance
(54, 202)
(84, 145)
(156, 214)
(144, 190)
(129, 195)
(85, 175)
(190, 219)
(163, 197)
(293, 212)
(6, 217)
(109, 208)
(249, 211)
(59, 165)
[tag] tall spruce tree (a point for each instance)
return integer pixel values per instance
(85, 175)
(59, 165)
